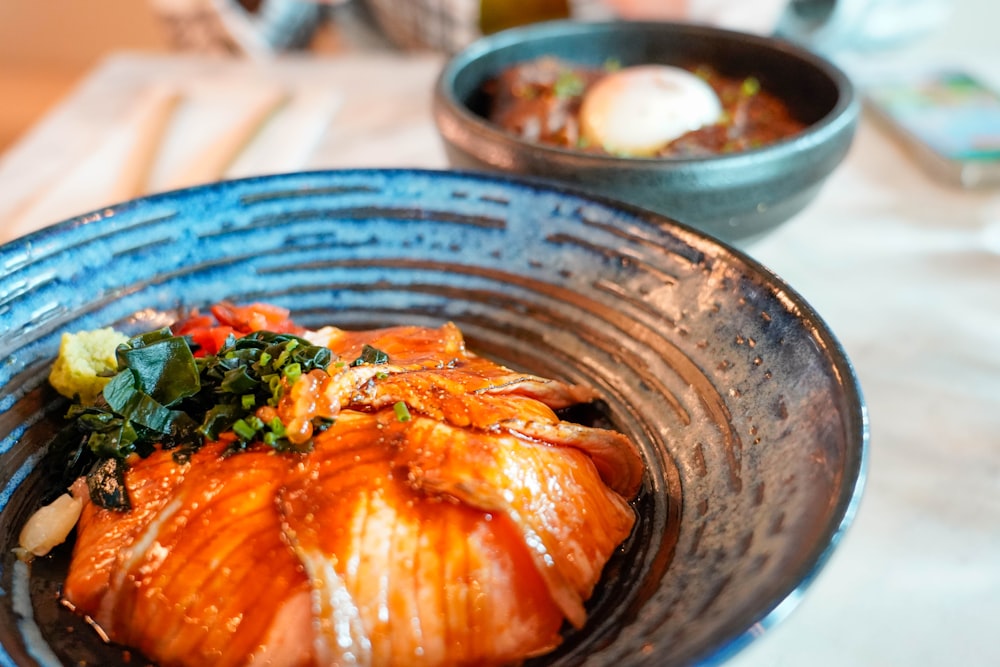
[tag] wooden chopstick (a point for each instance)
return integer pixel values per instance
(211, 163)
(154, 118)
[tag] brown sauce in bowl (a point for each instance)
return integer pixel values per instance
(540, 100)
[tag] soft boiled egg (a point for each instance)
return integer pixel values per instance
(638, 110)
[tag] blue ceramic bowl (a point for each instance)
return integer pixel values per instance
(746, 410)
(736, 197)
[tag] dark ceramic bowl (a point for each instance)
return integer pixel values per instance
(735, 197)
(744, 406)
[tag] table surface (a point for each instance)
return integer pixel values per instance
(906, 272)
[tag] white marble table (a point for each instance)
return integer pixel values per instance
(905, 271)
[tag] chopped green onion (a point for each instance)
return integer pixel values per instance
(277, 427)
(568, 84)
(274, 385)
(750, 86)
(248, 401)
(244, 430)
(292, 372)
(285, 353)
(402, 412)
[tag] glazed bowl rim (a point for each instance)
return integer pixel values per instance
(856, 425)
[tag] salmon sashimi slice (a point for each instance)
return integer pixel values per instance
(434, 374)
(481, 544)
(184, 584)
(464, 529)
(566, 517)
(410, 348)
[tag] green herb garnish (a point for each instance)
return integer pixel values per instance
(750, 86)
(161, 394)
(371, 355)
(253, 366)
(402, 412)
(568, 84)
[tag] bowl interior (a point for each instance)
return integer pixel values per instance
(743, 404)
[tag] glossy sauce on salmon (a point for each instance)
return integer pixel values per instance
(463, 530)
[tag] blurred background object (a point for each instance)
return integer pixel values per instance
(43, 54)
(420, 24)
(758, 16)
(449, 25)
(45, 48)
(496, 15)
(244, 27)
(832, 26)
(826, 25)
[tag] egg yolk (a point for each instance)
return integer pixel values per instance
(636, 111)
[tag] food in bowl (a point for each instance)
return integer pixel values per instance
(264, 492)
(653, 111)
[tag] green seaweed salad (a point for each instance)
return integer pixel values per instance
(163, 395)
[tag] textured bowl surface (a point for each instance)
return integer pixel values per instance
(745, 408)
(735, 197)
